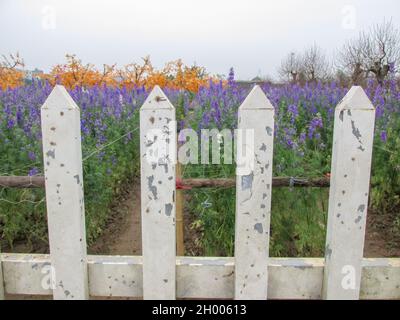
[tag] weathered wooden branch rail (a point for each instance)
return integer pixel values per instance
(38, 182)
(276, 182)
(69, 273)
(22, 181)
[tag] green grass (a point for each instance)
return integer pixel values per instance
(298, 216)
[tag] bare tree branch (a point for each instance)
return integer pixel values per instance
(373, 52)
(315, 64)
(290, 68)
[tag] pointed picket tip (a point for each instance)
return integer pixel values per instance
(355, 99)
(157, 100)
(59, 98)
(255, 100)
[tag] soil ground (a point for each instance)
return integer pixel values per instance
(381, 241)
(123, 233)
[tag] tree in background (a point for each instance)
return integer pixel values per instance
(75, 73)
(135, 73)
(175, 74)
(376, 51)
(315, 64)
(10, 76)
(290, 68)
(310, 66)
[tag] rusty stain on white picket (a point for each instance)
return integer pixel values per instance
(253, 196)
(348, 197)
(158, 154)
(62, 154)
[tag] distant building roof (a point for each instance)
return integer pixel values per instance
(257, 79)
(31, 74)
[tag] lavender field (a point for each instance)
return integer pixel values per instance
(109, 122)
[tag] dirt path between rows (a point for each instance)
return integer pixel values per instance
(123, 233)
(380, 240)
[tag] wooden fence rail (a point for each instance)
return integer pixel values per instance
(69, 273)
(188, 183)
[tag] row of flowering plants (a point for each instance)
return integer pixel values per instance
(109, 122)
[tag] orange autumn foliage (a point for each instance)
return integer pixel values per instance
(74, 72)
(184, 77)
(10, 76)
(174, 75)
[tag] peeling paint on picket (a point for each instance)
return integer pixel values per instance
(158, 154)
(62, 154)
(348, 197)
(253, 195)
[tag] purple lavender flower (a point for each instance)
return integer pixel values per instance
(293, 110)
(33, 172)
(302, 138)
(231, 77)
(315, 123)
(383, 136)
(31, 156)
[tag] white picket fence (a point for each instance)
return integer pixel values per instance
(69, 273)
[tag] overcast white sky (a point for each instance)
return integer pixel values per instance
(250, 35)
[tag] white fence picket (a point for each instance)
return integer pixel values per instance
(348, 197)
(253, 195)
(62, 153)
(158, 153)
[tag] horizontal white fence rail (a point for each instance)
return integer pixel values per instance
(198, 277)
(68, 273)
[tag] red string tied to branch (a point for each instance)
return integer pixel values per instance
(181, 186)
